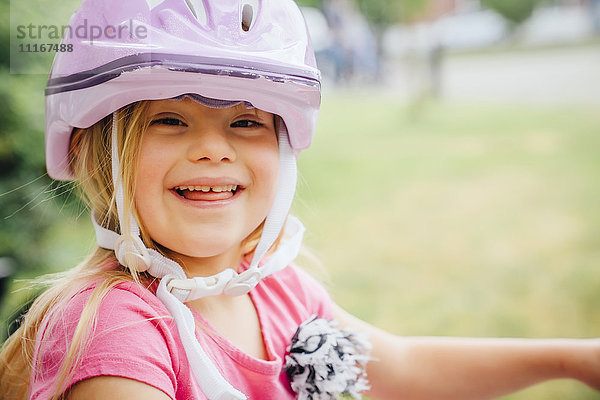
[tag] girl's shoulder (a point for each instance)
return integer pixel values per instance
(123, 299)
(114, 311)
(123, 330)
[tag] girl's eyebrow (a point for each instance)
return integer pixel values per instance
(255, 112)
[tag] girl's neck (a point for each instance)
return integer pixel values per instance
(208, 266)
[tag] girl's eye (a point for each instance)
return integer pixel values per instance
(246, 123)
(168, 121)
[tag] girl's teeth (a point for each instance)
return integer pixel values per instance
(227, 188)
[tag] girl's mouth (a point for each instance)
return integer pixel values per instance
(207, 193)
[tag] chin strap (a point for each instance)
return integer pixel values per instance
(175, 288)
(228, 281)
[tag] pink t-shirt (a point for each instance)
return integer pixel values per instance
(133, 339)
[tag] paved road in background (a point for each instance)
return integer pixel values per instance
(560, 76)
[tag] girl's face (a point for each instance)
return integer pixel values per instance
(206, 179)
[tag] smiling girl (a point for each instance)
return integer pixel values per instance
(184, 143)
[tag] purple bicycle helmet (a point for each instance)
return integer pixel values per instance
(120, 52)
(125, 51)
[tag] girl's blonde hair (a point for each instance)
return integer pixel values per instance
(90, 158)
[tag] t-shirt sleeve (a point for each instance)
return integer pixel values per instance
(131, 339)
(314, 295)
(301, 295)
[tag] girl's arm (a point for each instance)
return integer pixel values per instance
(461, 368)
(113, 387)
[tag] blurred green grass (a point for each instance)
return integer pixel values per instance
(444, 219)
(455, 219)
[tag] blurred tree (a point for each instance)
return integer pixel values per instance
(310, 3)
(23, 182)
(382, 13)
(30, 202)
(515, 11)
(27, 195)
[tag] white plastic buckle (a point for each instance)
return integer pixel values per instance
(132, 253)
(183, 284)
(242, 283)
(200, 287)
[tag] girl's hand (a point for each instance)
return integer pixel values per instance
(585, 363)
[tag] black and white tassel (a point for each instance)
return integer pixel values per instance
(324, 362)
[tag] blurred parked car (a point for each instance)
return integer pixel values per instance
(559, 24)
(466, 30)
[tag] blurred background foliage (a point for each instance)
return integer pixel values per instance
(452, 186)
(515, 11)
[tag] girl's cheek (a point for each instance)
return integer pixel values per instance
(150, 173)
(271, 170)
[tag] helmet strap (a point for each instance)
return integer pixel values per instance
(129, 249)
(286, 187)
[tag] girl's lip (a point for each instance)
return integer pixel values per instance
(208, 203)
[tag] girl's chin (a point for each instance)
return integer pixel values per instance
(203, 251)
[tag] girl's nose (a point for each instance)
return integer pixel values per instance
(211, 144)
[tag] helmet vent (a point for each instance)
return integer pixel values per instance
(197, 8)
(248, 8)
